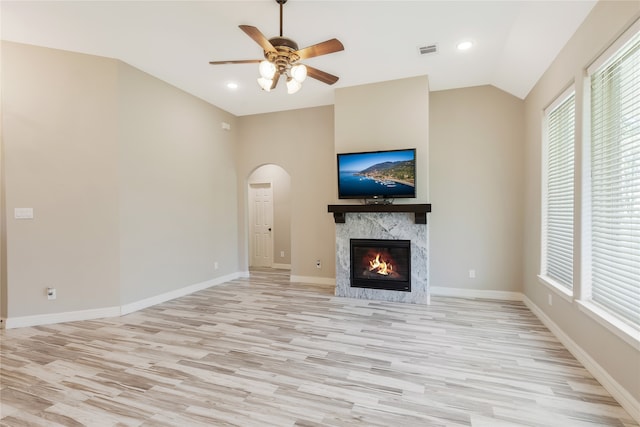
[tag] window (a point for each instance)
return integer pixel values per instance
(559, 131)
(613, 274)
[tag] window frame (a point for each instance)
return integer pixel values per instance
(615, 324)
(563, 291)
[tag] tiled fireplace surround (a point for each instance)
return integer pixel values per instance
(383, 225)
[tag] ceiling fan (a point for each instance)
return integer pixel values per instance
(282, 58)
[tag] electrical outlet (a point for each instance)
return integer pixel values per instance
(318, 264)
(51, 293)
(550, 299)
(215, 265)
(472, 274)
(281, 254)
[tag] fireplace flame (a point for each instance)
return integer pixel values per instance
(380, 266)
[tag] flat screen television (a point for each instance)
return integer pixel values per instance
(386, 174)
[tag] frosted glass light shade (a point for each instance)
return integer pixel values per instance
(299, 72)
(293, 86)
(265, 84)
(267, 69)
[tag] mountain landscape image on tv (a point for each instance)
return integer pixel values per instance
(377, 174)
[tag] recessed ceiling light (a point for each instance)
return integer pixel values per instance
(232, 85)
(465, 45)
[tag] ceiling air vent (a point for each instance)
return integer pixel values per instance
(432, 48)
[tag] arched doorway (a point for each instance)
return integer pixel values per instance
(269, 212)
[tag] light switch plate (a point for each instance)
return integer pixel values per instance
(23, 213)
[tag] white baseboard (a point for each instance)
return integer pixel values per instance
(281, 266)
(315, 280)
(619, 393)
(158, 299)
(99, 313)
(69, 316)
(475, 293)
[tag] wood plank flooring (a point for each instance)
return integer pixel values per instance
(265, 352)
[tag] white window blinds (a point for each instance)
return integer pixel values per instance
(560, 128)
(615, 183)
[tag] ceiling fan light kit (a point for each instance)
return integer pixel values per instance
(293, 85)
(267, 69)
(282, 56)
(265, 84)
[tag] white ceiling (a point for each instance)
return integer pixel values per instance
(515, 41)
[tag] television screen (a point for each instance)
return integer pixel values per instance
(377, 174)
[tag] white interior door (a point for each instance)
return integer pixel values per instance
(261, 217)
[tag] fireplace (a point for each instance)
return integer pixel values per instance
(392, 223)
(381, 264)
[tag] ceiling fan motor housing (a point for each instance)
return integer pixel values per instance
(283, 42)
(285, 53)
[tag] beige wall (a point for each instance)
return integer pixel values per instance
(383, 116)
(470, 160)
(620, 361)
(301, 142)
(3, 220)
(132, 182)
(477, 155)
(60, 150)
(372, 117)
(3, 240)
(177, 188)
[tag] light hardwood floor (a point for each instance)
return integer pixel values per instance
(266, 352)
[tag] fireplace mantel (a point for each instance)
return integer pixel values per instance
(419, 210)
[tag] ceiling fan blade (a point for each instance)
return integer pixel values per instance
(241, 61)
(321, 75)
(329, 46)
(258, 37)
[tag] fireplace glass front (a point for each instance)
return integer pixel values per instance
(381, 264)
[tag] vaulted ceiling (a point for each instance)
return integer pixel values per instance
(513, 41)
